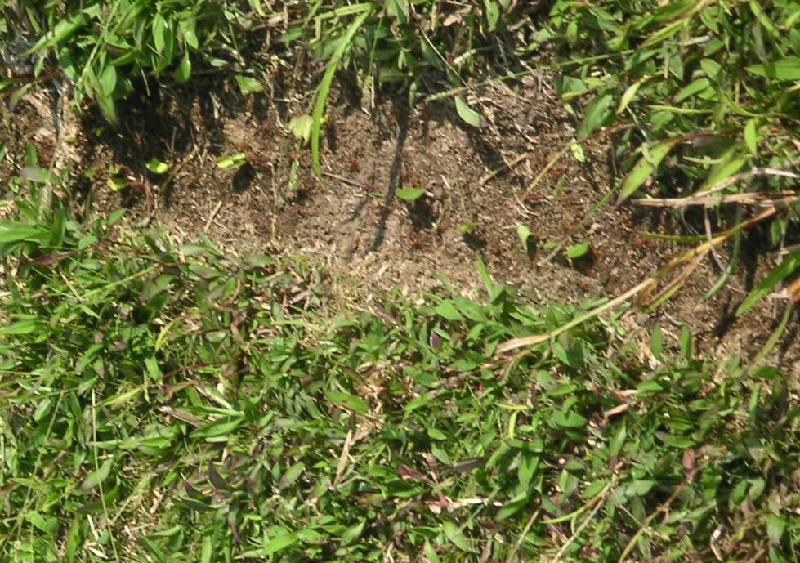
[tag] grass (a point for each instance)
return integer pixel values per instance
(700, 95)
(173, 404)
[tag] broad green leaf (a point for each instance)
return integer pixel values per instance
(577, 151)
(108, 80)
(184, 70)
(61, 32)
(763, 19)
(664, 33)
(430, 553)
(650, 386)
(453, 533)
(790, 264)
(207, 552)
(786, 69)
(12, 231)
(640, 487)
(231, 161)
(629, 94)
(447, 310)
(187, 27)
(221, 427)
(729, 166)
(292, 474)
(569, 420)
(594, 488)
(657, 341)
(492, 13)
(159, 29)
(278, 544)
(352, 402)
(595, 115)
(73, 540)
(775, 528)
(692, 89)
(46, 524)
(528, 464)
(466, 113)
(97, 476)
(751, 135)
(710, 67)
(325, 86)
(352, 533)
(37, 175)
(646, 165)
(524, 233)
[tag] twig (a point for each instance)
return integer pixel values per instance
(342, 465)
(663, 508)
(506, 166)
(761, 199)
(745, 175)
(212, 215)
(515, 343)
(525, 531)
(692, 258)
(347, 181)
(177, 168)
(598, 502)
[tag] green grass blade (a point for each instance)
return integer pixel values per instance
(325, 86)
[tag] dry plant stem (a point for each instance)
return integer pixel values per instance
(515, 343)
(343, 459)
(525, 531)
(759, 199)
(709, 236)
(346, 181)
(598, 503)
(661, 509)
(773, 338)
(693, 258)
(703, 198)
(507, 166)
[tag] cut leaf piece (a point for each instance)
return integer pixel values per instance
(248, 84)
(468, 114)
(409, 194)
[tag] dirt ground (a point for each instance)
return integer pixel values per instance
(480, 185)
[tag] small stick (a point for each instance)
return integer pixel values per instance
(598, 501)
(347, 181)
(212, 215)
(760, 199)
(506, 166)
(661, 509)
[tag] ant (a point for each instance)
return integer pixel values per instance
(415, 240)
(640, 242)
(353, 165)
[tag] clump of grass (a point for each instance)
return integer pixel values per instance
(178, 405)
(704, 94)
(102, 47)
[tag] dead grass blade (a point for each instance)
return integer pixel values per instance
(761, 199)
(704, 197)
(690, 259)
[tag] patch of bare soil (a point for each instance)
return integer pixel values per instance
(480, 185)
